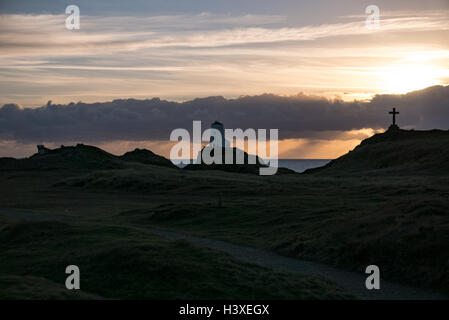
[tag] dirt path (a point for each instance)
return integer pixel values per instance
(353, 282)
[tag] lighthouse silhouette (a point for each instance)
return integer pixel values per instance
(220, 128)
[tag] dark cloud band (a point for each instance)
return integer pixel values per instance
(298, 116)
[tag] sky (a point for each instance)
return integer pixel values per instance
(182, 52)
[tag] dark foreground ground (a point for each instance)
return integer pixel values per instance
(385, 203)
(118, 261)
(400, 224)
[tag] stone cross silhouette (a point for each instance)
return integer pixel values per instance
(394, 113)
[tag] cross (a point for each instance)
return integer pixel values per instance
(394, 113)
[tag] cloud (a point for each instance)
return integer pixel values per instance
(44, 34)
(296, 117)
(184, 56)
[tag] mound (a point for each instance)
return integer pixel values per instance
(395, 152)
(79, 157)
(82, 157)
(146, 157)
(251, 163)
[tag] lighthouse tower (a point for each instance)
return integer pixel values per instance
(222, 143)
(218, 126)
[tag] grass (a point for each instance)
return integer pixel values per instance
(14, 287)
(401, 227)
(400, 223)
(119, 263)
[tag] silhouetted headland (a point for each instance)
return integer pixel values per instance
(394, 152)
(82, 156)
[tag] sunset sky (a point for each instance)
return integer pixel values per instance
(182, 50)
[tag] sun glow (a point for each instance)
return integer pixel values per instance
(406, 78)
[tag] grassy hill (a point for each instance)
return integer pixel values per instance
(91, 158)
(395, 152)
(145, 156)
(83, 157)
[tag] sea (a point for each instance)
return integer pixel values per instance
(301, 165)
(298, 165)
